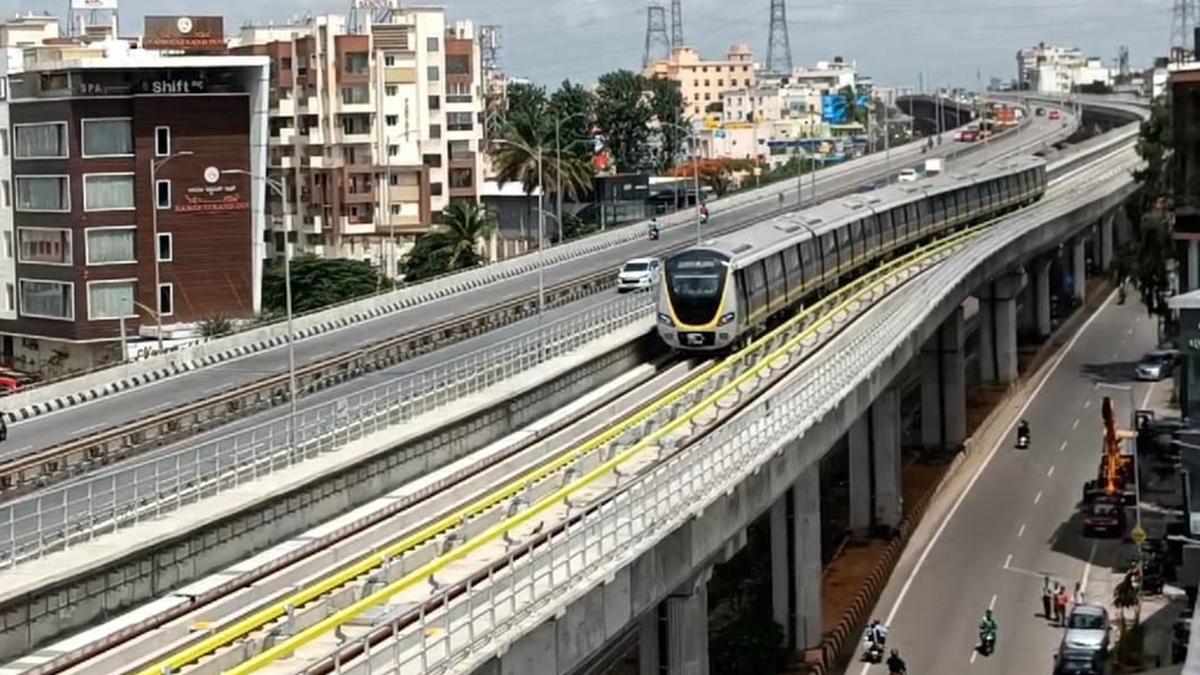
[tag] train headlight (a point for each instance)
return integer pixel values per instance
(665, 320)
(727, 319)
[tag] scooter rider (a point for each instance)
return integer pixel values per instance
(704, 214)
(877, 633)
(654, 227)
(1023, 430)
(896, 665)
(988, 627)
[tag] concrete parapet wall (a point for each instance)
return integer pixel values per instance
(79, 587)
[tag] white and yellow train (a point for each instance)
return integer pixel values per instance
(716, 295)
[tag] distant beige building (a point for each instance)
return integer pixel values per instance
(701, 82)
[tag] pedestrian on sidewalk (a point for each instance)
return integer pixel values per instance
(1047, 599)
(1079, 599)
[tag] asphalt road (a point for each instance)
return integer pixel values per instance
(1018, 521)
(38, 433)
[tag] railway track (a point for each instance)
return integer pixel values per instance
(702, 403)
(74, 457)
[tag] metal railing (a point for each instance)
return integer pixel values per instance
(120, 497)
(461, 620)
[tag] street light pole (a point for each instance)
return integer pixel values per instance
(278, 189)
(696, 184)
(541, 237)
(155, 165)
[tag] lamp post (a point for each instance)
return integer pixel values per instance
(1137, 489)
(541, 222)
(278, 188)
(558, 169)
(691, 132)
(155, 165)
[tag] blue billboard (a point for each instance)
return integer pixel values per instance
(835, 108)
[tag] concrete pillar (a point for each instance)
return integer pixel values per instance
(1107, 240)
(943, 386)
(998, 328)
(885, 446)
(1079, 268)
(673, 639)
(796, 561)
(1041, 293)
(859, 441)
(1193, 276)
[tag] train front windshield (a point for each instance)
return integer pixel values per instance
(695, 282)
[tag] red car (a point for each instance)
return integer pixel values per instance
(1054, 115)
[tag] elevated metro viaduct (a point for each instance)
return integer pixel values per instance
(663, 592)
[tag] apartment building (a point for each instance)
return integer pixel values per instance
(372, 133)
(130, 202)
(702, 81)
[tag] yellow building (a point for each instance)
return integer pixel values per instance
(701, 81)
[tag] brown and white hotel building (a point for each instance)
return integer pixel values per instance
(117, 205)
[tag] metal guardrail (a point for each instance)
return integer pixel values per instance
(120, 442)
(705, 396)
(460, 620)
(120, 497)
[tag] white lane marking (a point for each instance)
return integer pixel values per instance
(1008, 561)
(1087, 568)
(992, 604)
(974, 654)
(1087, 403)
(1076, 424)
(1129, 331)
(1020, 532)
(22, 449)
(90, 428)
(1116, 355)
(213, 390)
(1050, 472)
(1000, 440)
(1038, 497)
(1063, 447)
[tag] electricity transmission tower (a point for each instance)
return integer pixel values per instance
(779, 49)
(658, 43)
(676, 24)
(1184, 16)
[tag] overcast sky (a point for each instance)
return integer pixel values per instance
(893, 40)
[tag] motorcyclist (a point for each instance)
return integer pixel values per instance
(896, 665)
(988, 626)
(1023, 430)
(654, 228)
(704, 212)
(877, 633)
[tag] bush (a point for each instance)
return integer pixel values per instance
(216, 326)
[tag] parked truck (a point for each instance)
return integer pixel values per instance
(934, 166)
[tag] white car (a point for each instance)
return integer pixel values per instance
(909, 176)
(639, 273)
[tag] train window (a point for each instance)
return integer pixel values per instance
(828, 252)
(743, 285)
(791, 267)
(885, 228)
(761, 268)
(855, 231)
(900, 223)
(775, 278)
(845, 249)
(810, 260)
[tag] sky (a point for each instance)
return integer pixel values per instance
(949, 41)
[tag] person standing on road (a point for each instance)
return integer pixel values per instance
(1060, 605)
(896, 665)
(1047, 599)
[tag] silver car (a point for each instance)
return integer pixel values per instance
(1155, 365)
(1084, 646)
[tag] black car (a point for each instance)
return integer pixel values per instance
(1040, 112)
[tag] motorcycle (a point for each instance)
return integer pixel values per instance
(874, 651)
(1022, 441)
(987, 642)
(654, 234)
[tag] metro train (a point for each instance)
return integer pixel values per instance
(719, 294)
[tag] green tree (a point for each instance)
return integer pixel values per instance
(516, 157)
(623, 115)
(666, 105)
(318, 282)
(574, 107)
(529, 99)
(1146, 258)
(453, 244)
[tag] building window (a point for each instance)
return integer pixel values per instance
(431, 44)
(458, 92)
(433, 74)
(162, 194)
(435, 102)
(45, 245)
(162, 141)
(461, 178)
(10, 297)
(459, 150)
(166, 299)
(48, 299)
(111, 245)
(458, 65)
(43, 193)
(395, 209)
(435, 189)
(390, 90)
(285, 63)
(433, 161)
(111, 300)
(3, 142)
(460, 121)
(389, 60)
(391, 120)
(107, 137)
(356, 63)
(5, 194)
(393, 150)
(108, 192)
(435, 131)
(40, 141)
(8, 247)
(721, 83)
(166, 247)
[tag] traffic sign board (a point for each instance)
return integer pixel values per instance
(1138, 535)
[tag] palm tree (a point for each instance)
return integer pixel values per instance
(462, 226)
(523, 137)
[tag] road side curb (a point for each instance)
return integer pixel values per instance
(840, 642)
